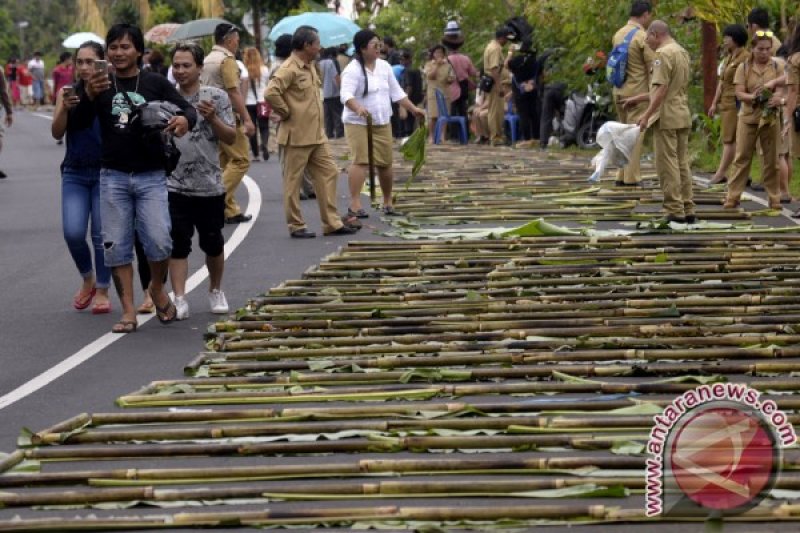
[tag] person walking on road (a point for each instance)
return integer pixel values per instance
(759, 120)
(221, 70)
(734, 41)
(294, 93)
(493, 60)
(80, 185)
(133, 190)
(637, 82)
(369, 88)
(258, 77)
(671, 121)
(36, 68)
(6, 114)
(196, 192)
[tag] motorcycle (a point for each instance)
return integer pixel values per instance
(596, 112)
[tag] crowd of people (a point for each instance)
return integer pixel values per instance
(156, 153)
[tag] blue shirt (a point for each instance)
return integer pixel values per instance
(84, 147)
(398, 71)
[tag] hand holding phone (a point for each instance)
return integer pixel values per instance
(101, 65)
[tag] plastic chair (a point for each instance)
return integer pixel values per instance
(445, 118)
(513, 122)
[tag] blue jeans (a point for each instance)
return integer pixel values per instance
(80, 199)
(134, 200)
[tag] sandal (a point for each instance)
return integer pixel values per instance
(167, 313)
(83, 300)
(351, 220)
(101, 308)
(125, 326)
(389, 211)
(358, 214)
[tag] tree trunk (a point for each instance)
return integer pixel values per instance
(709, 63)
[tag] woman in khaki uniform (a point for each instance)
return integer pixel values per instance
(734, 41)
(792, 85)
(758, 121)
(440, 74)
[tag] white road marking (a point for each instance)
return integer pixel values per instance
(93, 348)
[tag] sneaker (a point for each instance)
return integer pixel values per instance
(182, 307)
(217, 301)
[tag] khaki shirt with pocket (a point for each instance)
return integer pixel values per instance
(671, 68)
(727, 98)
(793, 70)
(640, 61)
(492, 57)
(751, 76)
(294, 94)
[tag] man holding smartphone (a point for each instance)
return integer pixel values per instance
(196, 192)
(133, 191)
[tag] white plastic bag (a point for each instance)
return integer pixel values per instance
(618, 141)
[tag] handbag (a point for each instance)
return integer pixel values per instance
(263, 110)
(796, 117)
(486, 84)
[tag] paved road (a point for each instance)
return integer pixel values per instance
(38, 327)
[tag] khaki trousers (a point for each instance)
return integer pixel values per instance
(746, 137)
(631, 173)
(234, 159)
(674, 174)
(317, 161)
(496, 115)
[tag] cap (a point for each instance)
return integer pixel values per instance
(452, 28)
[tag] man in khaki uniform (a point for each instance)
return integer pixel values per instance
(750, 77)
(221, 70)
(294, 93)
(637, 82)
(669, 114)
(493, 60)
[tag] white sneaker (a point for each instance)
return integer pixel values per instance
(182, 307)
(217, 301)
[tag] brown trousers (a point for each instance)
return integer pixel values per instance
(674, 174)
(497, 115)
(746, 137)
(631, 173)
(317, 161)
(234, 159)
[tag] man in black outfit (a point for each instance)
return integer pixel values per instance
(523, 67)
(133, 186)
(411, 82)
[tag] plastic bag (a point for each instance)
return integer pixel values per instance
(618, 141)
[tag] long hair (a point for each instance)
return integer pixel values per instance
(253, 62)
(360, 41)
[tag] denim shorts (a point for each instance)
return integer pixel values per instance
(134, 201)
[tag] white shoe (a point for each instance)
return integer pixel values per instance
(217, 301)
(182, 306)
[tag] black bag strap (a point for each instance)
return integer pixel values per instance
(253, 88)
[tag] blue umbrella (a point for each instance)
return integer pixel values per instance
(333, 29)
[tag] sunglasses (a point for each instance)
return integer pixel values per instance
(231, 31)
(762, 33)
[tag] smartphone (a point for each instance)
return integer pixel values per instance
(69, 91)
(205, 94)
(101, 65)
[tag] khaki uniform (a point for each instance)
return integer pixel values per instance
(793, 78)
(749, 130)
(493, 57)
(637, 80)
(220, 70)
(294, 93)
(727, 100)
(671, 132)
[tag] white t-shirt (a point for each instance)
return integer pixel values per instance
(383, 90)
(260, 85)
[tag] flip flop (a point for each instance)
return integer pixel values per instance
(167, 313)
(82, 301)
(146, 309)
(124, 326)
(101, 308)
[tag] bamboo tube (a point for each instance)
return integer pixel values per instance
(12, 460)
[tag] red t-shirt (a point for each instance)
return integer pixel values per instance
(62, 75)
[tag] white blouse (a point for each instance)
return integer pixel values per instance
(383, 90)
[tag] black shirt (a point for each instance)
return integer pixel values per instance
(123, 149)
(523, 66)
